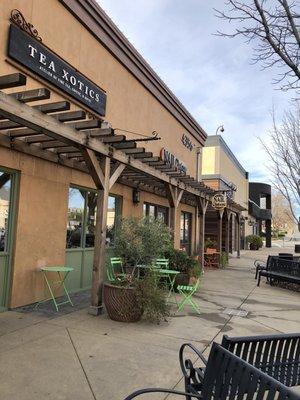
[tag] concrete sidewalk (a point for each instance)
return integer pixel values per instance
(81, 357)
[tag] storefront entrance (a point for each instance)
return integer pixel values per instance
(7, 200)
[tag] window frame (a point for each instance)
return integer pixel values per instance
(157, 207)
(118, 213)
(187, 245)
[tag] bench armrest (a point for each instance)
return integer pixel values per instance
(259, 263)
(186, 365)
(161, 390)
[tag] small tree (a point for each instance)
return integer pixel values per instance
(140, 241)
(282, 218)
(284, 154)
(273, 27)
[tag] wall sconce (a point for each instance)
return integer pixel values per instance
(136, 196)
(251, 222)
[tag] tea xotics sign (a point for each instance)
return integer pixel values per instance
(219, 201)
(38, 58)
(172, 160)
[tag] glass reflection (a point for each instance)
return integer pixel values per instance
(75, 218)
(5, 189)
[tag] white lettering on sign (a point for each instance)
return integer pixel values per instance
(219, 201)
(78, 86)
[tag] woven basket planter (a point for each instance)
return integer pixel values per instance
(121, 303)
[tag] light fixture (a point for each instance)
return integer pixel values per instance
(221, 128)
(136, 196)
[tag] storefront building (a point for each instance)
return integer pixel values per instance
(222, 171)
(88, 133)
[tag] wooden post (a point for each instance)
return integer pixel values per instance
(220, 236)
(238, 227)
(174, 196)
(202, 207)
(227, 237)
(100, 172)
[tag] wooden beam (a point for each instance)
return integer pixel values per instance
(94, 167)
(113, 139)
(38, 139)
(31, 95)
(99, 272)
(137, 150)
(101, 132)
(90, 124)
(143, 155)
(53, 107)
(150, 160)
(12, 80)
(62, 117)
(116, 174)
(128, 144)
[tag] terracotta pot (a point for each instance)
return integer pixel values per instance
(121, 303)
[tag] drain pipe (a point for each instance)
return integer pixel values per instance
(198, 174)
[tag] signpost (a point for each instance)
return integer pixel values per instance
(32, 54)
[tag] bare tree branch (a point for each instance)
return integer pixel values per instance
(273, 26)
(284, 155)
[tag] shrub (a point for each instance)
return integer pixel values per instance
(141, 240)
(255, 240)
(180, 261)
(210, 244)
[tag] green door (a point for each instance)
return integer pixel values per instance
(7, 200)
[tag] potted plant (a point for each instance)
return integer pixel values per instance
(210, 244)
(138, 241)
(224, 259)
(187, 266)
(255, 242)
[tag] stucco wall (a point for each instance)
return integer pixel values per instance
(129, 105)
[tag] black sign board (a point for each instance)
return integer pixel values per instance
(39, 59)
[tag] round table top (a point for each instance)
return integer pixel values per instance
(57, 269)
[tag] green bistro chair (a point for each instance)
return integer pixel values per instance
(187, 292)
(115, 269)
(161, 263)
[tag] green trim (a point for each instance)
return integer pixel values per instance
(12, 219)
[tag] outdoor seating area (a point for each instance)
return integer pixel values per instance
(256, 367)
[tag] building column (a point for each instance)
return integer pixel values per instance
(202, 207)
(101, 173)
(174, 196)
(220, 231)
(227, 237)
(268, 233)
(238, 227)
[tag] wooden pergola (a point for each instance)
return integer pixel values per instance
(79, 140)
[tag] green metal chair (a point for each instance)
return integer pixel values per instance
(187, 292)
(115, 269)
(161, 263)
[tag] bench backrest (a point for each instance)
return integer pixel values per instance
(286, 267)
(230, 377)
(276, 355)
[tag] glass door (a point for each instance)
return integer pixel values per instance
(186, 231)
(7, 183)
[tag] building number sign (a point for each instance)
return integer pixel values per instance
(187, 142)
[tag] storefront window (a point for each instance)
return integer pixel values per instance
(5, 188)
(82, 211)
(186, 231)
(157, 212)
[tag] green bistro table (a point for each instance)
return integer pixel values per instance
(55, 285)
(170, 274)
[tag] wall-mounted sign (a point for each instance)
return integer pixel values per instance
(219, 201)
(187, 142)
(169, 158)
(38, 58)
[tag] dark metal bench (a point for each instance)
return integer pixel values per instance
(282, 270)
(276, 355)
(226, 376)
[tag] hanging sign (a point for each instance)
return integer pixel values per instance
(219, 201)
(38, 58)
(172, 160)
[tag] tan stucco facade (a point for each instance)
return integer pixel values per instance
(42, 203)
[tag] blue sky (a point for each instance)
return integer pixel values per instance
(212, 76)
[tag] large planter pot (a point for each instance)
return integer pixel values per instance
(254, 246)
(121, 303)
